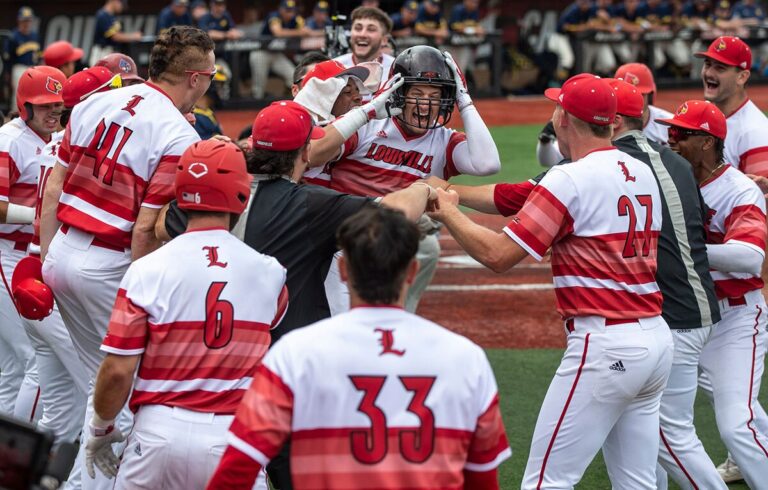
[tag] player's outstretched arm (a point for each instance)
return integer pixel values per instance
(479, 198)
(143, 239)
(328, 147)
(479, 155)
(412, 200)
(494, 250)
(49, 224)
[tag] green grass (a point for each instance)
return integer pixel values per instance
(517, 148)
(523, 377)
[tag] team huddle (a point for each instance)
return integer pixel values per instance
(199, 315)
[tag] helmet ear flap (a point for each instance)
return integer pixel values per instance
(28, 112)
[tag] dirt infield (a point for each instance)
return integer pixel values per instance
(511, 310)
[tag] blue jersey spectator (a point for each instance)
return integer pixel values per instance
(697, 9)
(404, 21)
(748, 9)
(430, 21)
(658, 12)
(320, 19)
(576, 14)
(465, 17)
(218, 19)
(285, 18)
(629, 10)
(23, 47)
(109, 32)
(175, 14)
(206, 124)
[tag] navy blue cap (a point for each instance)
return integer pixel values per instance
(25, 13)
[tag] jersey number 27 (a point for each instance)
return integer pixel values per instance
(626, 208)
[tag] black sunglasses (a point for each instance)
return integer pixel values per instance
(681, 134)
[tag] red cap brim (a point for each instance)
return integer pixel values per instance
(77, 54)
(317, 133)
(716, 57)
(553, 94)
(27, 268)
(677, 123)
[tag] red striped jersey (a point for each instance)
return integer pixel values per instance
(601, 216)
(382, 158)
(736, 214)
(120, 149)
(374, 398)
(20, 151)
(199, 311)
(745, 141)
(47, 161)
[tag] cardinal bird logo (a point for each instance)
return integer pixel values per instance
(387, 340)
(721, 46)
(683, 109)
(630, 77)
(625, 170)
(53, 86)
(212, 254)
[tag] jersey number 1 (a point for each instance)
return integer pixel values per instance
(416, 445)
(626, 208)
(100, 146)
(219, 318)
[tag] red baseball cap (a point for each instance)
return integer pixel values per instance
(699, 115)
(332, 68)
(587, 97)
(34, 299)
(629, 99)
(638, 75)
(85, 83)
(122, 65)
(60, 53)
(729, 50)
(284, 126)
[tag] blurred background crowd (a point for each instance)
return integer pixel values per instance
(516, 47)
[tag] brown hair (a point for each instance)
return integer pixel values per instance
(375, 14)
(177, 49)
(270, 162)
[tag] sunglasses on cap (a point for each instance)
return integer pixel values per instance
(682, 134)
(204, 72)
(115, 82)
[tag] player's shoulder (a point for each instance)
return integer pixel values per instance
(658, 113)
(345, 59)
(10, 132)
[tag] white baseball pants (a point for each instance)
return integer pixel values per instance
(681, 454)
(733, 362)
(19, 387)
(606, 393)
(174, 448)
(84, 279)
(428, 255)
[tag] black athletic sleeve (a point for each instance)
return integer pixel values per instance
(175, 220)
(327, 210)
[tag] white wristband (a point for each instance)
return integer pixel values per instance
(99, 426)
(17, 214)
(351, 122)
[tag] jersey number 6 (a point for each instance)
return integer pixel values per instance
(219, 318)
(626, 208)
(370, 446)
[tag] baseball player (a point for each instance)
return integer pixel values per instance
(690, 305)
(22, 140)
(62, 55)
(547, 150)
(385, 412)
(725, 74)
(63, 380)
(194, 332)
(386, 154)
(123, 65)
(733, 358)
(601, 216)
(367, 39)
(115, 171)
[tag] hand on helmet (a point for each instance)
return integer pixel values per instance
(462, 93)
(380, 107)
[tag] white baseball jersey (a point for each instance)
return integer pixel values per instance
(121, 148)
(736, 214)
(20, 151)
(385, 60)
(48, 159)
(655, 131)
(601, 215)
(364, 398)
(747, 137)
(199, 311)
(381, 158)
